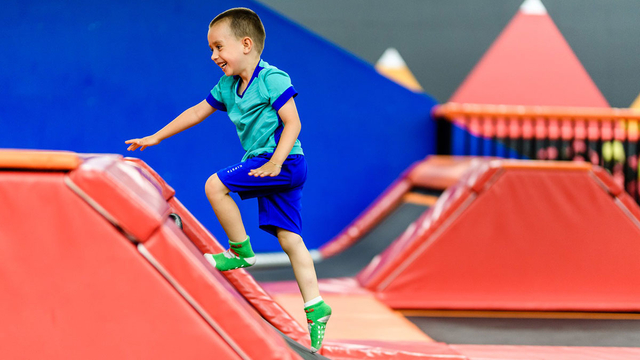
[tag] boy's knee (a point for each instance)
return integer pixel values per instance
(289, 240)
(214, 186)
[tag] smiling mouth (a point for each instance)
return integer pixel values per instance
(223, 65)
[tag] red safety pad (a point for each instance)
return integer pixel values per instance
(232, 317)
(502, 352)
(123, 192)
(73, 287)
(397, 350)
(517, 238)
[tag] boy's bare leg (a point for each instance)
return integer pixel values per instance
(226, 209)
(317, 311)
(301, 262)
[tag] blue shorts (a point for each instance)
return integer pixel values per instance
(279, 197)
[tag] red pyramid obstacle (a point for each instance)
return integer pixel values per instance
(530, 63)
(518, 235)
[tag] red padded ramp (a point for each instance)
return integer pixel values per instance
(77, 287)
(518, 236)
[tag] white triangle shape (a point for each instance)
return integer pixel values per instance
(391, 59)
(533, 7)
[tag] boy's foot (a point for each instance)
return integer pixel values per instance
(317, 317)
(239, 255)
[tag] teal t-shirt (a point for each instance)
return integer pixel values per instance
(255, 112)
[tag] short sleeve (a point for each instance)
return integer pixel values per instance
(279, 88)
(215, 98)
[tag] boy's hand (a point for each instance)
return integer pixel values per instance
(268, 169)
(142, 143)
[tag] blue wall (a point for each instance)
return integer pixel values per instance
(85, 76)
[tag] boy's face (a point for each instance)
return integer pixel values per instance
(227, 50)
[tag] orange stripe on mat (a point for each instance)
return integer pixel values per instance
(420, 199)
(520, 314)
(357, 317)
(38, 160)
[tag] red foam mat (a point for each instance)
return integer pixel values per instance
(75, 288)
(517, 236)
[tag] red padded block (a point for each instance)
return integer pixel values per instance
(241, 279)
(534, 239)
(73, 287)
(239, 323)
(123, 192)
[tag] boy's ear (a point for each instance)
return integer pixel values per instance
(247, 44)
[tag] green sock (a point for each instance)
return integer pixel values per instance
(317, 317)
(239, 255)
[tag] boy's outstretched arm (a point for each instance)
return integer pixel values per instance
(190, 117)
(291, 121)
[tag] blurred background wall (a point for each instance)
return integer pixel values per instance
(85, 76)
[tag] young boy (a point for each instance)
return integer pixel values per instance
(259, 100)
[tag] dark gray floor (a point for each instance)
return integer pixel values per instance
(355, 258)
(543, 332)
(302, 351)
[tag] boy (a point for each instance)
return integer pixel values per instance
(259, 101)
